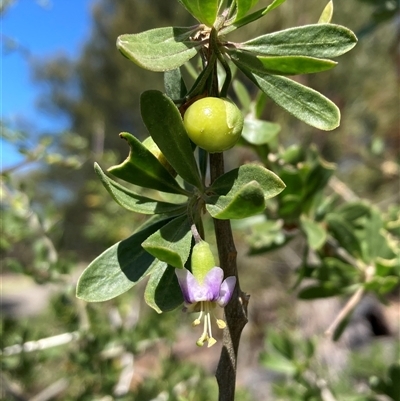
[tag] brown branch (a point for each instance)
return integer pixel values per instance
(236, 310)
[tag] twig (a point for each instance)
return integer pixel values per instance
(236, 310)
(342, 189)
(51, 391)
(351, 303)
(41, 344)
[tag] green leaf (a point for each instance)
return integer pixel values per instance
(251, 17)
(142, 168)
(171, 243)
(259, 132)
(278, 363)
(246, 201)
(118, 268)
(280, 65)
(175, 87)
(165, 125)
(304, 103)
(318, 291)
(327, 13)
(162, 292)
(159, 49)
(134, 202)
(243, 6)
(317, 40)
(344, 234)
(353, 210)
(231, 182)
(316, 234)
(282, 344)
(203, 10)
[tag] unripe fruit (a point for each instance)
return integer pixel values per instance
(214, 124)
(152, 146)
(202, 260)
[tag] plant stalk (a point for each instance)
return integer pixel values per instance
(236, 310)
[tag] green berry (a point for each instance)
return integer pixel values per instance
(214, 124)
(202, 260)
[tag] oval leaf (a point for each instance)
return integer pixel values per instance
(163, 292)
(246, 201)
(159, 49)
(203, 10)
(118, 268)
(304, 103)
(281, 65)
(143, 168)
(316, 234)
(316, 40)
(243, 6)
(231, 182)
(165, 125)
(171, 244)
(134, 202)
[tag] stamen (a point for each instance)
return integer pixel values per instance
(220, 323)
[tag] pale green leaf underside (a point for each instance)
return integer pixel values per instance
(171, 244)
(316, 234)
(165, 125)
(134, 202)
(259, 132)
(159, 49)
(162, 291)
(247, 201)
(118, 268)
(304, 103)
(327, 13)
(316, 40)
(281, 65)
(143, 168)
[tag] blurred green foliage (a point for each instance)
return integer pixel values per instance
(56, 216)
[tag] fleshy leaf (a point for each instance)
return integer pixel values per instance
(280, 65)
(175, 87)
(171, 244)
(230, 185)
(316, 234)
(259, 132)
(118, 268)
(142, 168)
(304, 103)
(316, 40)
(203, 10)
(159, 49)
(344, 234)
(165, 125)
(162, 292)
(134, 202)
(243, 6)
(327, 13)
(246, 201)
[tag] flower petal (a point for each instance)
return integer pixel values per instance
(212, 281)
(226, 291)
(192, 291)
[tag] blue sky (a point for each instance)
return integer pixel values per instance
(43, 28)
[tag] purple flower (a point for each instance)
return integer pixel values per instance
(203, 297)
